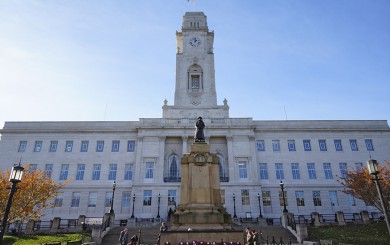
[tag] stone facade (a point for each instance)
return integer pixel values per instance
(143, 156)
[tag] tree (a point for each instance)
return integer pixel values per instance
(32, 197)
(359, 184)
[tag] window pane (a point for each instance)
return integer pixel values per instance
(242, 170)
(49, 170)
(317, 198)
(266, 198)
(281, 199)
(295, 171)
(369, 145)
(92, 200)
(311, 171)
(299, 198)
(84, 146)
(354, 146)
(337, 145)
(80, 171)
(68, 146)
(99, 146)
(126, 198)
(22, 146)
(64, 172)
(75, 199)
(96, 171)
(131, 145)
(291, 145)
(172, 197)
(263, 170)
(112, 173)
(343, 170)
(53, 146)
(149, 170)
(279, 171)
(328, 171)
(245, 197)
(128, 171)
(306, 145)
(322, 145)
(38, 146)
(115, 146)
(333, 198)
(147, 198)
(260, 145)
(276, 145)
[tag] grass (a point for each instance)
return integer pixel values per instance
(41, 239)
(363, 234)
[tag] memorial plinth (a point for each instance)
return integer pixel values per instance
(200, 197)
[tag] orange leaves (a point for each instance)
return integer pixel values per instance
(359, 184)
(32, 196)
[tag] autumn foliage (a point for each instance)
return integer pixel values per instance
(359, 184)
(32, 197)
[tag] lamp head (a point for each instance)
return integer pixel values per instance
(281, 184)
(372, 166)
(16, 174)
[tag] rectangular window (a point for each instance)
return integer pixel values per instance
(351, 200)
(32, 168)
(266, 198)
(354, 146)
(58, 200)
(49, 170)
(195, 84)
(279, 170)
(299, 198)
(260, 145)
(22, 146)
(359, 166)
(328, 171)
(80, 171)
(281, 199)
(84, 146)
(306, 145)
(53, 146)
(128, 171)
(130, 145)
(99, 146)
(147, 197)
(295, 171)
(172, 197)
(68, 146)
(263, 171)
(369, 145)
(64, 172)
(112, 171)
(75, 199)
(108, 199)
(343, 170)
(92, 199)
(333, 198)
(115, 146)
(337, 145)
(242, 170)
(126, 198)
(291, 145)
(317, 198)
(276, 145)
(245, 197)
(38, 146)
(322, 145)
(96, 171)
(149, 170)
(311, 171)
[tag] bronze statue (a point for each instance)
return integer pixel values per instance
(199, 134)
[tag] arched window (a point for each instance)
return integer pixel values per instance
(174, 167)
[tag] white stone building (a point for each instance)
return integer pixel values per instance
(143, 157)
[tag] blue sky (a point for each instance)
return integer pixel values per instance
(114, 60)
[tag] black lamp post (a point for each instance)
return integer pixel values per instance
(132, 214)
(15, 177)
(158, 208)
(372, 166)
(234, 205)
(112, 200)
(284, 198)
(258, 198)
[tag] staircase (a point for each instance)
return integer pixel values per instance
(149, 235)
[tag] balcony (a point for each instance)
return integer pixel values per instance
(172, 179)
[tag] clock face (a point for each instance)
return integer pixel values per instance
(195, 41)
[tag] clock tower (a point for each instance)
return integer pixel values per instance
(195, 93)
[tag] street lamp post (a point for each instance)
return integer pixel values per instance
(158, 208)
(112, 200)
(15, 177)
(234, 205)
(284, 198)
(372, 166)
(258, 198)
(132, 214)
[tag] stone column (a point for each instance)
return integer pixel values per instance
(365, 216)
(301, 232)
(316, 219)
(56, 224)
(185, 144)
(340, 218)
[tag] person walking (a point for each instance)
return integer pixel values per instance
(124, 237)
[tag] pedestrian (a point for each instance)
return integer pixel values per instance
(255, 236)
(124, 237)
(163, 227)
(249, 237)
(133, 240)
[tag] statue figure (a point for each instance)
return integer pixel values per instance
(199, 134)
